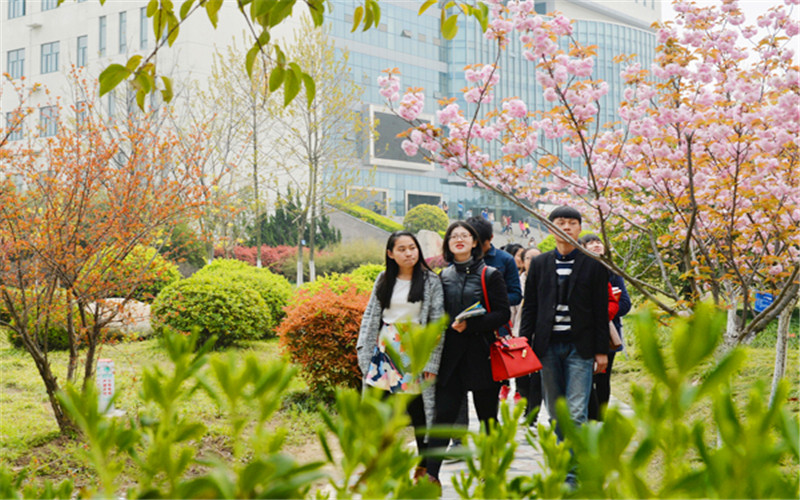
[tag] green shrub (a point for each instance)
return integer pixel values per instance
(549, 243)
(426, 217)
(143, 267)
(184, 245)
(273, 288)
(368, 272)
(320, 332)
(341, 259)
(214, 305)
(369, 216)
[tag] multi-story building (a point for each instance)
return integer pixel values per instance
(413, 44)
(40, 41)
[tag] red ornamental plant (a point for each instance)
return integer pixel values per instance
(701, 169)
(79, 203)
(319, 333)
(271, 257)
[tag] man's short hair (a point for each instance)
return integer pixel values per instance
(566, 213)
(588, 238)
(482, 226)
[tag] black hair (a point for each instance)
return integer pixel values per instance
(482, 226)
(386, 281)
(512, 248)
(588, 238)
(565, 212)
(477, 252)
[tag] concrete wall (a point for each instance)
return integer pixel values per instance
(354, 229)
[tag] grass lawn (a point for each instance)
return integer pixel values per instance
(29, 435)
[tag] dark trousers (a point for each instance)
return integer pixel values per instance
(530, 388)
(601, 390)
(448, 404)
(416, 412)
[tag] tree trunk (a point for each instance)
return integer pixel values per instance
(312, 271)
(301, 230)
(65, 425)
(255, 189)
(784, 320)
(734, 323)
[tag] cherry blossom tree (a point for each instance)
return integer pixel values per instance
(701, 167)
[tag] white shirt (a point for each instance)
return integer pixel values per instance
(400, 309)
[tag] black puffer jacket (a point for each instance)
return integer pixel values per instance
(466, 354)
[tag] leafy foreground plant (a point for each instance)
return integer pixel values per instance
(663, 450)
(748, 450)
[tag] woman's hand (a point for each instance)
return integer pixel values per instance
(428, 376)
(459, 326)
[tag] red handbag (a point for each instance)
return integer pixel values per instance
(511, 357)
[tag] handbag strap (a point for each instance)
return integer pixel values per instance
(483, 287)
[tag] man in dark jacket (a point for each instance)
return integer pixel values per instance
(565, 316)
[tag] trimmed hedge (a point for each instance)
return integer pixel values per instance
(320, 332)
(368, 272)
(369, 216)
(215, 305)
(274, 289)
(339, 259)
(337, 283)
(428, 217)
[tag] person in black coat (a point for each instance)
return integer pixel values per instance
(565, 316)
(465, 364)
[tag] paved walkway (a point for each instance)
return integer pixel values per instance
(527, 459)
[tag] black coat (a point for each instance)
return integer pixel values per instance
(587, 296)
(466, 354)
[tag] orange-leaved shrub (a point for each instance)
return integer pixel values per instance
(319, 333)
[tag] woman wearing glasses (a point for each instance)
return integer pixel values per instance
(465, 362)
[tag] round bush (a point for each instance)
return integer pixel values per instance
(273, 288)
(368, 272)
(219, 306)
(320, 333)
(426, 217)
(143, 267)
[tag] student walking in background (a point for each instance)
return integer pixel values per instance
(407, 291)
(465, 362)
(601, 386)
(565, 316)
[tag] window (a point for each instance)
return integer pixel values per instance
(16, 8)
(123, 32)
(48, 120)
(111, 104)
(80, 58)
(16, 63)
(101, 39)
(49, 57)
(15, 128)
(143, 28)
(80, 114)
(49, 4)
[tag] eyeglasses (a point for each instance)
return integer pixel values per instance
(460, 236)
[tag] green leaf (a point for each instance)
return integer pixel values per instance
(250, 59)
(367, 19)
(722, 373)
(186, 7)
(317, 10)
(140, 95)
(261, 7)
(166, 94)
(212, 9)
(357, 15)
(651, 352)
(133, 62)
(174, 28)
(311, 88)
(291, 86)
(275, 78)
(152, 7)
(111, 77)
(450, 27)
(425, 6)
